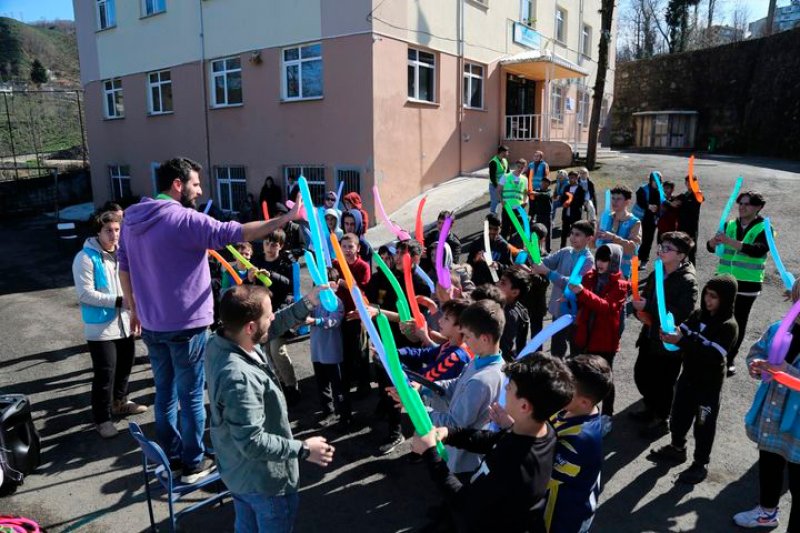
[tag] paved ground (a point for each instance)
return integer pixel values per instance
(91, 485)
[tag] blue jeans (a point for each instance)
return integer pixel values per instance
(177, 361)
(494, 198)
(259, 513)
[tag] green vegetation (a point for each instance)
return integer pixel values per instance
(53, 44)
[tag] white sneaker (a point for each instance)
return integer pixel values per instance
(756, 517)
(107, 430)
(606, 423)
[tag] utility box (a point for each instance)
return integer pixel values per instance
(665, 130)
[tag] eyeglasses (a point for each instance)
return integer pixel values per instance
(665, 248)
(330, 199)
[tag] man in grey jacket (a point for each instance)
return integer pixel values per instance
(256, 454)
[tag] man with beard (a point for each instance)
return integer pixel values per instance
(166, 281)
(258, 457)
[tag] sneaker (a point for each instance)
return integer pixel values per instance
(731, 370)
(107, 430)
(389, 446)
(694, 474)
(127, 407)
(195, 474)
(605, 424)
(175, 466)
(668, 454)
(756, 517)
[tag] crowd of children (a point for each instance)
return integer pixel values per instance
(539, 467)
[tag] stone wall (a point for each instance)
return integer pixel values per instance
(747, 94)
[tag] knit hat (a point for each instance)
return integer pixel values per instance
(725, 286)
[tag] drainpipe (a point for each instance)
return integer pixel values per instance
(204, 83)
(459, 84)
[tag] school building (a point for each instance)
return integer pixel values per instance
(404, 94)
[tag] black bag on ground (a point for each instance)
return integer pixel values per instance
(20, 447)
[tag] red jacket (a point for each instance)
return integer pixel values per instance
(598, 321)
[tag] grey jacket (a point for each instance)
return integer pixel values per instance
(560, 265)
(249, 424)
(83, 274)
(469, 396)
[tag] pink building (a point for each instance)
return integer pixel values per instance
(399, 93)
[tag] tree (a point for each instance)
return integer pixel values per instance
(38, 72)
(677, 18)
(606, 19)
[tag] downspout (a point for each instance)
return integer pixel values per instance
(460, 85)
(204, 83)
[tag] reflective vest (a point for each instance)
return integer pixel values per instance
(502, 166)
(741, 266)
(536, 174)
(92, 314)
(514, 189)
(624, 232)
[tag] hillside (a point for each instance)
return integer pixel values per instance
(53, 44)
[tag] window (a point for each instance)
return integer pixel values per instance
(421, 75)
(473, 86)
(152, 7)
(226, 82)
(314, 174)
(586, 40)
(584, 105)
(114, 107)
(561, 25)
(302, 72)
(528, 12)
(160, 92)
(106, 14)
(351, 177)
(231, 187)
(120, 181)
(557, 103)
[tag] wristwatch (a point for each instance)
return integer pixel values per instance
(305, 451)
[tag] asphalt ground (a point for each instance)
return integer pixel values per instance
(89, 484)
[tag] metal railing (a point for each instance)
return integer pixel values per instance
(523, 127)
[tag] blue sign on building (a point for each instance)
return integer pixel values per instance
(526, 36)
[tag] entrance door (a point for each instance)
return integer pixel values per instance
(520, 95)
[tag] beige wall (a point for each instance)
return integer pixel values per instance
(263, 134)
(141, 44)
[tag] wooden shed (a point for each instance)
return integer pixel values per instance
(665, 130)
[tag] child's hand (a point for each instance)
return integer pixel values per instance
(577, 289)
(420, 444)
(352, 315)
(541, 269)
(759, 366)
(499, 416)
(392, 392)
(442, 294)
(639, 304)
(672, 338)
(310, 321)
(409, 329)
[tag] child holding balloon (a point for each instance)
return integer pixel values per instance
(705, 338)
(773, 425)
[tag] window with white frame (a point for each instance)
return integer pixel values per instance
(302, 72)
(152, 7)
(314, 175)
(106, 11)
(159, 95)
(114, 105)
(120, 181)
(421, 75)
(557, 102)
(231, 187)
(586, 40)
(226, 82)
(561, 25)
(584, 105)
(473, 86)
(528, 12)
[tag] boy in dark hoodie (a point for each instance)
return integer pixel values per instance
(352, 222)
(705, 339)
(514, 284)
(352, 200)
(601, 296)
(656, 368)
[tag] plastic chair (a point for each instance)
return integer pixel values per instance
(156, 464)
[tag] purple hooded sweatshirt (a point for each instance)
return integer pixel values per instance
(163, 247)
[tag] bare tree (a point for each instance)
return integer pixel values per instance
(606, 19)
(711, 5)
(739, 18)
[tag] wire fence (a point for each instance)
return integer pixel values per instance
(40, 130)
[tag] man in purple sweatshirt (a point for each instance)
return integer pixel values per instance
(165, 278)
